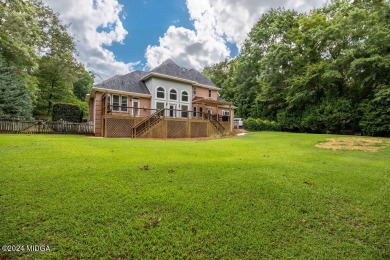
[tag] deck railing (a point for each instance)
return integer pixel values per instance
(169, 113)
(214, 121)
(147, 123)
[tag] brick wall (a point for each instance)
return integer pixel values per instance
(204, 93)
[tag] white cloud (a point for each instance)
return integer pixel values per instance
(185, 47)
(95, 24)
(235, 19)
(215, 22)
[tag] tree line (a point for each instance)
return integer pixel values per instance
(38, 65)
(326, 71)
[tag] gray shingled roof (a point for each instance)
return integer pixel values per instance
(132, 82)
(170, 68)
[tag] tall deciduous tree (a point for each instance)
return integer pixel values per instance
(56, 76)
(36, 43)
(325, 71)
(83, 85)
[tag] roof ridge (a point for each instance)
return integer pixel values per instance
(170, 68)
(167, 61)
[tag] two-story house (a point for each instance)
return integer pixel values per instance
(167, 102)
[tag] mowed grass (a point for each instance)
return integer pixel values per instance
(263, 195)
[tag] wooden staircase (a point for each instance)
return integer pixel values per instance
(215, 123)
(146, 124)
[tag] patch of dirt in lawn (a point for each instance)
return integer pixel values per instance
(239, 132)
(354, 143)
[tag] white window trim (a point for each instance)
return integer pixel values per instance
(160, 102)
(181, 96)
(165, 93)
(111, 103)
(119, 103)
(169, 93)
(127, 104)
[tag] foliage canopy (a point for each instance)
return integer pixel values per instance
(38, 47)
(326, 71)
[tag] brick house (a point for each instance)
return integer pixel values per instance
(166, 102)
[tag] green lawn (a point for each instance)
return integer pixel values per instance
(263, 195)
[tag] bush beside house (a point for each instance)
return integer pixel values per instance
(253, 124)
(67, 112)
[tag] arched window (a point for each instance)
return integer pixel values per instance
(184, 96)
(160, 92)
(173, 94)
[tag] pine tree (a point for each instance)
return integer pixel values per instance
(15, 102)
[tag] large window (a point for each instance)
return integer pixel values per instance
(119, 103)
(124, 103)
(184, 111)
(160, 105)
(115, 102)
(184, 96)
(160, 92)
(173, 94)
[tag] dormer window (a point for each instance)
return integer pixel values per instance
(184, 96)
(160, 92)
(173, 94)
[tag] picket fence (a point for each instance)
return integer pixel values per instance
(42, 127)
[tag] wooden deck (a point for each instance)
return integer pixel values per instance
(118, 121)
(167, 127)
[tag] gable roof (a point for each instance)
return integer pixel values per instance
(134, 81)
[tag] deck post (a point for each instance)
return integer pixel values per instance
(188, 125)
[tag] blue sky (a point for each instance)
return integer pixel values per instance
(145, 22)
(117, 36)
